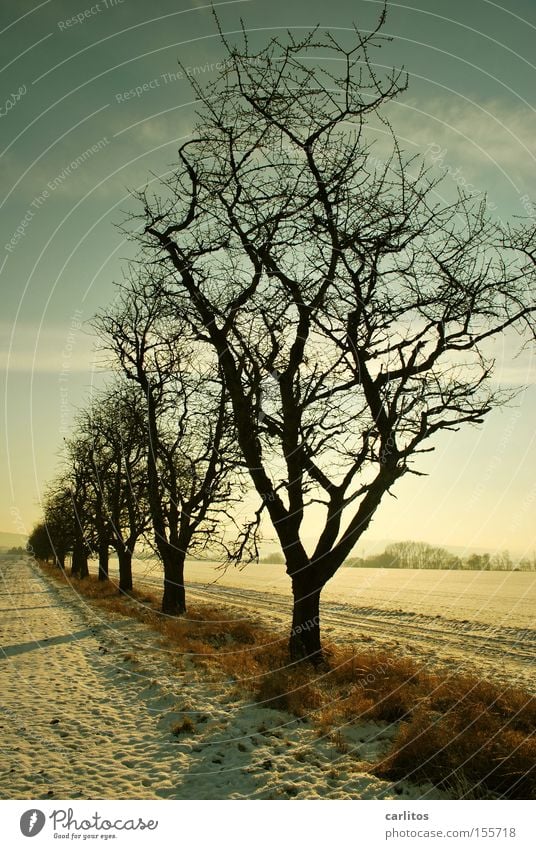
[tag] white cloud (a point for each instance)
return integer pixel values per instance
(489, 135)
(28, 348)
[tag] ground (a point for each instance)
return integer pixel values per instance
(93, 707)
(478, 623)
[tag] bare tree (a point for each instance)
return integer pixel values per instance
(73, 490)
(39, 543)
(110, 440)
(58, 524)
(100, 464)
(191, 453)
(351, 309)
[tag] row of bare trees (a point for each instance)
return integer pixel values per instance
(306, 311)
(136, 468)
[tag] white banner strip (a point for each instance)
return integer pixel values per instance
(268, 824)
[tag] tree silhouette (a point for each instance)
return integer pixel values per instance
(39, 544)
(191, 450)
(352, 311)
(59, 522)
(110, 444)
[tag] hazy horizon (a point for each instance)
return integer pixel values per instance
(368, 545)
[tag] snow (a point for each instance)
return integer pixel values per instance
(90, 700)
(476, 622)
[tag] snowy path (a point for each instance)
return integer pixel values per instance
(88, 705)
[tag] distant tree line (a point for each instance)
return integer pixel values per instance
(14, 551)
(421, 555)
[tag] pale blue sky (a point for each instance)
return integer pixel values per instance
(470, 105)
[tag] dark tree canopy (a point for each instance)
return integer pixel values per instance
(59, 524)
(39, 544)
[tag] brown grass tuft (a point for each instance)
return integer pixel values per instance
(288, 689)
(186, 726)
(488, 753)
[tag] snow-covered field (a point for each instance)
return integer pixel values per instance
(479, 622)
(89, 702)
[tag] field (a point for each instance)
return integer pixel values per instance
(470, 621)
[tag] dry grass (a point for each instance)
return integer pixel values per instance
(470, 728)
(186, 726)
(207, 635)
(489, 754)
(458, 732)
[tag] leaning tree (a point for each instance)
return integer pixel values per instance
(351, 308)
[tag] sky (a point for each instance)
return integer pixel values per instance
(93, 105)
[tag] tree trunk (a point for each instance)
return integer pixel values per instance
(84, 568)
(103, 561)
(74, 565)
(304, 643)
(125, 569)
(174, 597)
(79, 566)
